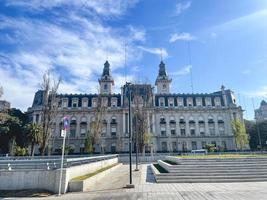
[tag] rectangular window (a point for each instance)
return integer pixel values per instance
(174, 146)
(83, 131)
(208, 101)
(212, 130)
(202, 131)
(189, 102)
(161, 102)
(194, 145)
(180, 102)
(85, 103)
(173, 132)
(217, 101)
(113, 131)
(192, 132)
(183, 132)
(164, 146)
(199, 101)
(203, 144)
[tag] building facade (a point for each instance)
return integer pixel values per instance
(261, 112)
(176, 122)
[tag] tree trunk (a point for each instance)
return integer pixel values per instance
(32, 149)
(143, 151)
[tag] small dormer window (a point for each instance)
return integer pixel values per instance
(171, 102)
(94, 102)
(180, 101)
(199, 101)
(75, 103)
(161, 102)
(84, 102)
(217, 101)
(189, 102)
(65, 103)
(113, 102)
(208, 101)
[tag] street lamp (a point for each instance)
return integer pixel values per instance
(131, 185)
(136, 145)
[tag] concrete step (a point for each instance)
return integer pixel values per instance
(171, 177)
(222, 159)
(227, 162)
(182, 171)
(212, 166)
(211, 180)
(182, 174)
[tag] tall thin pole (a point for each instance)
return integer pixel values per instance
(136, 144)
(257, 126)
(62, 159)
(130, 135)
(190, 65)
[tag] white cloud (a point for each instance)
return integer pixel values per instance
(181, 36)
(261, 92)
(184, 71)
(76, 52)
(181, 7)
(100, 7)
(157, 51)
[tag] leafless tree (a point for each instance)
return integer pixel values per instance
(96, 125)
(49, 109)
(142, 100)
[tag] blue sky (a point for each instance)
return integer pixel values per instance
(221, 41)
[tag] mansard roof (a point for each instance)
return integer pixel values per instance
(263, 103)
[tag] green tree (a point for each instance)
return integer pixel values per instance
(239, 130)
(34, 135)
(9, 131)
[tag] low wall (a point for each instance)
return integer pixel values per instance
(84, 185)
(48, 179)
(165, 165)
(173, 159)
(141, 159)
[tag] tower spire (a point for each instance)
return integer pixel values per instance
(106, 81)
(163, 81)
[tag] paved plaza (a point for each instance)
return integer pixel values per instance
(112, 187)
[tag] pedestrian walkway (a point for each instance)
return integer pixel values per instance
(112, 188)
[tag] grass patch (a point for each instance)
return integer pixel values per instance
(222, 156)
(83, 177)
(160, 169)
(25, 193)
(170, 162)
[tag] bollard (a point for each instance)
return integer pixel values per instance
(9, 167)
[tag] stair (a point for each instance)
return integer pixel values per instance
(215, 170)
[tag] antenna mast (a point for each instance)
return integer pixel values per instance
(125, 67)
(190, 65)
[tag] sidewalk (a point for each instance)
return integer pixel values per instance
(112, 187)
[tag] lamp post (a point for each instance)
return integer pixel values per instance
(63, 134)
(130, 185)
(136, 146)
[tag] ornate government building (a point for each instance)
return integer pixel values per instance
(177, 122)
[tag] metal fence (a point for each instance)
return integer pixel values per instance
(47, 163)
